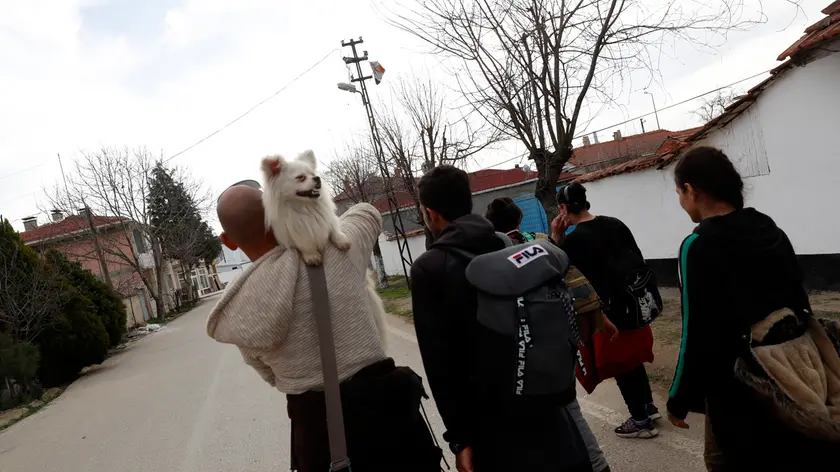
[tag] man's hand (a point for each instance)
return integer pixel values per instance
(464, 461)
(610, 330)
(679, 423)
(558, 228)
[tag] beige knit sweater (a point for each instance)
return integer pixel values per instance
(267, 311)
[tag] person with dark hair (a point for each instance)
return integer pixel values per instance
(742, 302)
(594, 245)
(506, 217)
(488, 428)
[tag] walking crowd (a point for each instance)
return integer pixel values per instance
(508, 322)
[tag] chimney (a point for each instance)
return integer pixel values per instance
(516, 166)
(586, 141)
(30, 223)
(617, 135)
(57, 215)
(595, 137)
(398, 173)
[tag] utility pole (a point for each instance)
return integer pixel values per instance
(642, 121)
(656, 113)
(103, 266)
(393, 204)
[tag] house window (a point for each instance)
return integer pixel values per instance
(139, 242)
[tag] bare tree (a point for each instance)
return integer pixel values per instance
(711, 107)
(442, 137)
(114, 185)
(354, 175)
(423, 131)
(533, 68)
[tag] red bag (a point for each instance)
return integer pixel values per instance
(601, 359)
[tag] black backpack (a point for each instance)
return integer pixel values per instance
(634, 296)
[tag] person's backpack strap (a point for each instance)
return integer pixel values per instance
(329, 366)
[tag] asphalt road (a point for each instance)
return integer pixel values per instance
(176, 401)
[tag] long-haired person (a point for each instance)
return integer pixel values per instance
(752, 357)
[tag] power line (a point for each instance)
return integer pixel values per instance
(253, 107)
(24, 170)
(675, 104)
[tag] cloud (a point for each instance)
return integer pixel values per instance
(165, 74)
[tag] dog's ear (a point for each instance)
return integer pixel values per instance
(308, 157)
(273, 165)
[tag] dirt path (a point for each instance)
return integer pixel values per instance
(667, 330)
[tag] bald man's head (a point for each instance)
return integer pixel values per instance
(241, 214)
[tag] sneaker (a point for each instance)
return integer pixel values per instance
(637, 429)
(653, 412)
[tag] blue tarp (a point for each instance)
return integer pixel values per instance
(533, 215)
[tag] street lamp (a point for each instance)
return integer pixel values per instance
(347, 87)
(656, 113)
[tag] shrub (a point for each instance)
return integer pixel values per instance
(78, 340)
(19, 365)
(107, 304)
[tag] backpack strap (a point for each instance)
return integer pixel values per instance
(329, 366)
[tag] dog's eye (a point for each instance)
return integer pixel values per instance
(301, 178)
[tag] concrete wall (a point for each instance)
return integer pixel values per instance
(391, 254)
(787, 150)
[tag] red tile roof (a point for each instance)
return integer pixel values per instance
(69, 225)
(673, 140)
(480, 181)
(637, 145)
(815, 36)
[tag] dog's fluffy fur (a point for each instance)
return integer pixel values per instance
(298, 207)
(378, 308)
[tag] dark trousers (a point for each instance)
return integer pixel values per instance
(384, 427)
(635, 388)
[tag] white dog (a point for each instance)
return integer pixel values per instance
(295, 210)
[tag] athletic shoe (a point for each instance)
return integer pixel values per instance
(653, 412)
(637, 429)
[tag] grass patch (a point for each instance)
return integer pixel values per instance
(397, 288)
(12, 416)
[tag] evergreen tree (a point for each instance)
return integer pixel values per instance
(79, 338)
(108, 305)
(23, 279)
(176, 216)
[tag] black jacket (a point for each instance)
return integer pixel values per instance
(735, 270)
(460, 357)
(444, 306)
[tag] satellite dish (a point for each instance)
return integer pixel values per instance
(526, 168)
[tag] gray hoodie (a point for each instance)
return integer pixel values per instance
(267, 311)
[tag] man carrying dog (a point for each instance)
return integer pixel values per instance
(267, 312)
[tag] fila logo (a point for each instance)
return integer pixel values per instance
(530, 253)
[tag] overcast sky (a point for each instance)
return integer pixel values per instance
(82, 74)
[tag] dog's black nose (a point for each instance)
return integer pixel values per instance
(317, 181)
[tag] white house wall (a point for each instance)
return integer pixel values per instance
(787, 145)
(391, 253)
